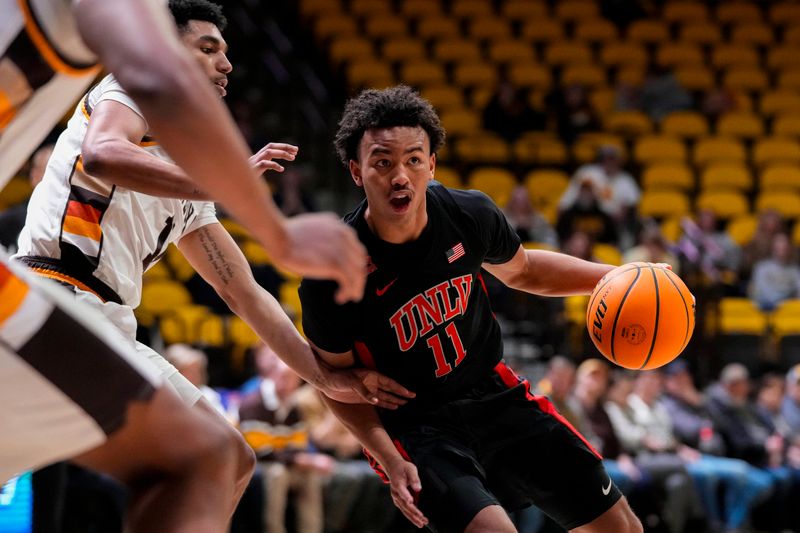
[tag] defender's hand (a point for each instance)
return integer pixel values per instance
(404, 485)
(321, 246)
(368, 386)
(263, 160)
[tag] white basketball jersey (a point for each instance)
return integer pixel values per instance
(93, 234)
(44, 68)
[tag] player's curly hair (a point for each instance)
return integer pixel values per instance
(386, 108)
(185, 10)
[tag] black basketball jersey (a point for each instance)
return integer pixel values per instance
(425, 319)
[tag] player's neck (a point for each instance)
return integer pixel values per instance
(401, 231)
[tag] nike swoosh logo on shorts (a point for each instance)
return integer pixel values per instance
(381, 292)
(606, 490)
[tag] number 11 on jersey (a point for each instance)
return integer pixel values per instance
(435, 343)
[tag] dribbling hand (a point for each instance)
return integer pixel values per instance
(404, 483)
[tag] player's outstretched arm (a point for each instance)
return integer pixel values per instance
(137, 41)
(548, 273)
(215, 256)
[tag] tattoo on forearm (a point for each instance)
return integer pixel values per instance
(216, 258)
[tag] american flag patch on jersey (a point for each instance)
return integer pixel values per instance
(455, 252)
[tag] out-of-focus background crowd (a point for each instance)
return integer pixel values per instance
(614, 130)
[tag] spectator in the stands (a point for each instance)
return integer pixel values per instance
(776, 278)
(708, 249)
(663, 94)
(586, 216)
(791, 401)
(12, 220)
(693, 426)
(572, 112)
(193, 365)
(579, 244)
(272, 424)
(529, 225)
(509, 113)
(289, 193)
(652, 248)
(768, 401)
(770, 224)
(557, 385)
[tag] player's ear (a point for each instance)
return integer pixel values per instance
(355, 173)
(432, 161)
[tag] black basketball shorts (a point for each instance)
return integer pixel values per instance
(502, 445)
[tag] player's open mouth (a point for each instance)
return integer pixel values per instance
(221, 87)
(400, 202)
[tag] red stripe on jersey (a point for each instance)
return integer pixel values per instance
(511, 379)
(486, 292)
(84, 212)
(364, 355)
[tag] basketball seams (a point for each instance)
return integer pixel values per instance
(597, 290)
(685, 306)
(620, 306)
(655, 324)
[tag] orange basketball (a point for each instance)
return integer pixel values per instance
(640, 316)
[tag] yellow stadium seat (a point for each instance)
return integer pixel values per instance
(620, 53)
(791, 35)
(780, 101)
(510, 50)
(461, 121)
(780, 176)
(471, 9)
(443, 96)
(785, 323)
(787, 12)
(456, 49)
(482, 149)
(160, 297)
(470, 75)
(684, 11)
(630, 75)
(725, 204)
(422, 73)
(700, 32)
(785, 202)
(539, 147)
(718, 149)
(796, 235)
(756, 33)
(786, 125)
(517, 10)
(782, 57)
(607, 253)
(289, 297)
(737, 11)
(742, 228)
(403, 49)
(603, 100)
(576, 9)
(726, 176)
(663, 204)
(334, 25)
(243, 338)
(575, 309)
(563, 52)
(695, 77)
(586, 75)
(15, 192)
(753, 323)
(776, 150)
(534, 245)
(496, 182)
(746, 79)
(364, 73)
(584, 149)
(651, 149)
(595, 31)
(740, 124)
(628, 123)
(546, 186)
(255, 253)
(318, 8)
(671, 54)
(530, 76)
(348, 48)
(180, 267)
(158, 271)
(235, 230)
(789, 79)
(648, 31)
(671, 228)
(211, 331)
(542, 31)
(366, 8)
(686, 124)
(734, 55)
(552, 152)
(182, 324)
(734, 306)
(438, 27)
(448, 177)
(672, 175)
(489, 29)
(420, 8)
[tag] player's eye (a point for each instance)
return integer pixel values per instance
(382, 163)
(415, 160)
(207, 50)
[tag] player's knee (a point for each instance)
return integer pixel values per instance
(245, 457)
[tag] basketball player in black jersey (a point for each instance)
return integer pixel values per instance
(475, 440)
